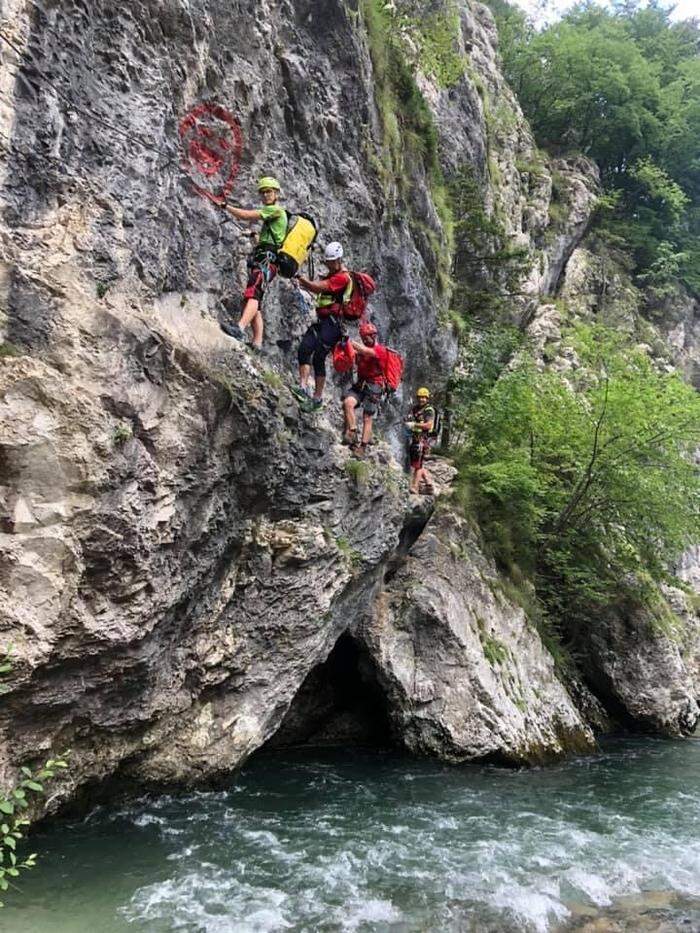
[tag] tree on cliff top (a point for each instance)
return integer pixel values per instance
(622, 86)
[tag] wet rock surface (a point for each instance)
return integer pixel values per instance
(647, 912)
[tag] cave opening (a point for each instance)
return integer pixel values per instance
(339, 703)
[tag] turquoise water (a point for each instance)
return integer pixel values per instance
(374, 842)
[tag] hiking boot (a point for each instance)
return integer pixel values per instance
(316, 404)
(233, 330)
(349, 439)
(359, 451)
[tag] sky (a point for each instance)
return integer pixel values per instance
(684, 8)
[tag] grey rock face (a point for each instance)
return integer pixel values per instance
(465, 672)
(189, 567)
(170, 574)
(649, 674)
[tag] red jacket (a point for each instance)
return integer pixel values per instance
(371, 368)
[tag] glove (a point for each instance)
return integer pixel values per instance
(411, 425)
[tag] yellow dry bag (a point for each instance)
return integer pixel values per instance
(301, 233)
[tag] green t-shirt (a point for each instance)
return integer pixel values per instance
(274, 225)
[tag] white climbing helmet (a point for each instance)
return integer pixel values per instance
(333, 251)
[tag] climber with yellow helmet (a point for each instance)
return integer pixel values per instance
(420, 426)
(263, 260)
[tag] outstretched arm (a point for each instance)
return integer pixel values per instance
(241, 213)
(362, 349)
(316, 286)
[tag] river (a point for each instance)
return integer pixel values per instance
(362, 841)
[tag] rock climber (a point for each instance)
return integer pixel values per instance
(263, 261)
(367, 391)
(318, 341)
(420, 424)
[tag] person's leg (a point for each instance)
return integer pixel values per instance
(250, 309)
(329, 334)
(261, 274)
(258, 329)
(319, 360)
(305, 352)
(319, 385)
(371, 399)
(414, 485)
(349, 406)
(425, 478)
(304, 376)
(253, 296)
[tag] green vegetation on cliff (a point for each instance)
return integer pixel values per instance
(410, 138)
(623, 86)
(583, 480)
(15, 802)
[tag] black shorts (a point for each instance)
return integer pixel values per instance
(317, 343)
(368, 396)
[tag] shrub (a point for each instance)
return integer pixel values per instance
(15, 801)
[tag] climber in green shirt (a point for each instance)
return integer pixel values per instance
(263, 261)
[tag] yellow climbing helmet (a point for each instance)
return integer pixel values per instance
(423, 393)
(268, 181)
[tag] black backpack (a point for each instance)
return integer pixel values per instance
(434, 435)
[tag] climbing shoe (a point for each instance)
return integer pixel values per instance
(316, 404)
(233, 330)
(301, 394)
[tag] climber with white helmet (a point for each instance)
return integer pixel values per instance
(332, 292)
(263, 260)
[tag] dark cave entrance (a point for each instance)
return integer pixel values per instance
(339, 703)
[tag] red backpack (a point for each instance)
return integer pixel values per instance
(343, 356)
(393, 369)
(363, 285)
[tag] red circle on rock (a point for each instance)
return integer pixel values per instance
(212, 143)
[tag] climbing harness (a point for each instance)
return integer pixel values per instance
(262, 262)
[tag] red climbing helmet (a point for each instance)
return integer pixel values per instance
(368, 330)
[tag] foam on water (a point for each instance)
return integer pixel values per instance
(353, 841)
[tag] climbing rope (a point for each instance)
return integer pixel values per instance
(302, 303)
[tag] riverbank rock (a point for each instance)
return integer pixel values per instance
(463, 666)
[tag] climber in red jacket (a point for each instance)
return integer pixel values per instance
(367, 391)
(318, 341)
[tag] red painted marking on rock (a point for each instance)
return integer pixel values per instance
(212, 144)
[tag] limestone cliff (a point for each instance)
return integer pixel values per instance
(189, 567)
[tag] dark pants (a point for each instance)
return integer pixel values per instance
(317, 343)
